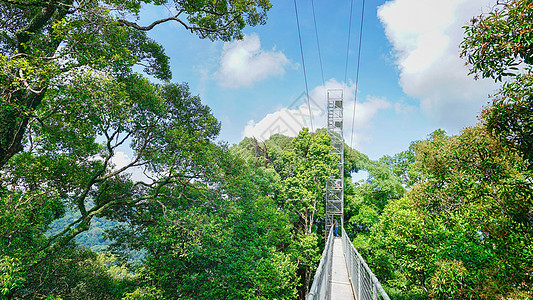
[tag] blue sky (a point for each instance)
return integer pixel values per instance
(411, 78)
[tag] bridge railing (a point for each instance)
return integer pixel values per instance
(321, 286)
(365, 285)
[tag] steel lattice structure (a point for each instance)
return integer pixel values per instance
(335, 184)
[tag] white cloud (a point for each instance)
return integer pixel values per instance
(290, 120)
(285, 121)
(426, 36)
(121, 159)
(243, 63)
(403, 109)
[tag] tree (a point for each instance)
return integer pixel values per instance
(499, 45)
(366, 199)
(70, 161)
(45, 40)
(294, 174)
(223, 238)
(304, 168)
(78, 273)
(304, 171)
(496, 44)
(71, 104)
(464, 230)
(371, 196)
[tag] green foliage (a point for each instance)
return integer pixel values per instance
(511, 115)
(500, 45)
(148, 293)
(464, 230)
(449, 280)
(214, 242)
(93, 238)
(45, 42)
(70, 104)
(11, 276)
(365, 200)
(295, 172)
(353, 161)
(69, 162)
(305, 249)
(402, 165)
(78, 274)
(304, 171)
(223, 19)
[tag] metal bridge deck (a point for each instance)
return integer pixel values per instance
(343, 274)
(341, 287)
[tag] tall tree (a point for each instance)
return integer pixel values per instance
(42, 41)
(71, 161)
(222, 238)
(71, 104)
(499, 45)
(367, 199)
(304, 171)
(463, 231)
(294, 174)
(304, 168)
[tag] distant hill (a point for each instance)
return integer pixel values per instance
(93, 238)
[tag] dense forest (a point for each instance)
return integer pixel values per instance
(189, 218)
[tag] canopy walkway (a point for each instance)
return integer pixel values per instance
(342, 272)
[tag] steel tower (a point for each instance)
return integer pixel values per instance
(335, 184)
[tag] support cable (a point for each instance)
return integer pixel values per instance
(357, 71)
(348, 45)
(318, 45)
(303, 65)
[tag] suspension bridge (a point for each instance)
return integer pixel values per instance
(342, 272)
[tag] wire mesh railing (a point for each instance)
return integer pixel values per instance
(365, 285)
(320, 288)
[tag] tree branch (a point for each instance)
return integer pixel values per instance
(131, 164)
(27, 3)
(174, 18)
(151, 26)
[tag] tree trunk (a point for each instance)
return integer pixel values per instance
(13, 123)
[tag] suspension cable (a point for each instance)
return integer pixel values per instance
(303, 65)
(318, 44)
(357, 71)
(348, 45)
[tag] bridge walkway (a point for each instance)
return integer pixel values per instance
(343, 274)
(340, 285)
